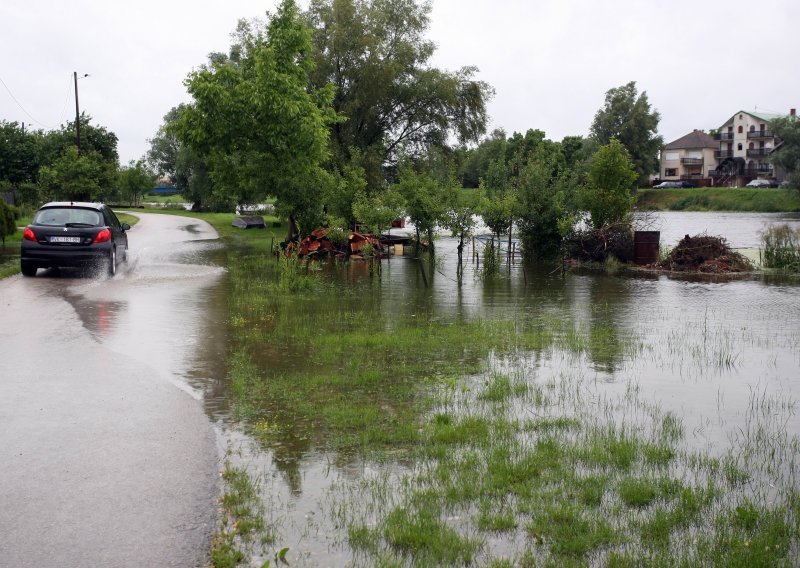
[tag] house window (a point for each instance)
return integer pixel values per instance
(670, 172)
(752, 128)
(739, 146)
(741, 129)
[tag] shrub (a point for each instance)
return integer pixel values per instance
(8, 220)
(781, 248)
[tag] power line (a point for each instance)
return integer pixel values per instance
(25, 110)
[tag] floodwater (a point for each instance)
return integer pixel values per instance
(710, 347)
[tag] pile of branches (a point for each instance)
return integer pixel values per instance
(596, 245)
(703, 253)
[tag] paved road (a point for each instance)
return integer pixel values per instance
(104, 460)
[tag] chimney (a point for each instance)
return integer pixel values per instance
(792, 112)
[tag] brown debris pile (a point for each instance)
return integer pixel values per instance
(319, 244)
(703, 253)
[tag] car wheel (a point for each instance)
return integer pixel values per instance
(27, 269)
(125, 255)
(112, 262)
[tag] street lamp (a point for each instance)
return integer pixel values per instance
(77, 112)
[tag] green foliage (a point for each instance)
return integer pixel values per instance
(349, 185)
(376, 213)
(134, 181)
(781, 248)
(787, 156)
(545, 186)
(8, 220)
(490, 266)
(79, 177)
(19, 150)
(425, 200)
(183, 166)
(395, 101)
(460, 214)
(42, 165)
(627, 117)
(607, 195)
(257, 125)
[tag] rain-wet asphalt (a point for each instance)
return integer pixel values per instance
(104, 460)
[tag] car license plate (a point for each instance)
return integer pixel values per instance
(65, 239)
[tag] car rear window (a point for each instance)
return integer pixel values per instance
(62, 216)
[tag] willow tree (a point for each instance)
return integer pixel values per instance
(256, 123)
(393, 100)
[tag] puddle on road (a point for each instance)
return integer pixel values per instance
(160, 310)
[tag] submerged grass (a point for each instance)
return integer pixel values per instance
(494, 462)
(781, 248)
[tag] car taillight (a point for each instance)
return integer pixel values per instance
(28, 234)
(102, 236)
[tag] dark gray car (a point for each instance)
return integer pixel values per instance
(74, 234)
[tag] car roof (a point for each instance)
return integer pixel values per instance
(82, 204)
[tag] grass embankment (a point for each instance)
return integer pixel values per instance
(482, 450)
(719, 199)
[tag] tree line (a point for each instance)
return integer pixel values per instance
(338, 113)
(43, 166)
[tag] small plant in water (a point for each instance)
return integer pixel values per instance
(781, 248)
(293, 274)
(491, 260)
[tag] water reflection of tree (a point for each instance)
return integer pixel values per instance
(608, 296)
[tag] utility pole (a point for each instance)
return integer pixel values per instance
(77, 112)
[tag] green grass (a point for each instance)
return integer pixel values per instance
(242, 519)
(764, 200)
(485, 449)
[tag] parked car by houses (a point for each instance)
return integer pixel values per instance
(673, 184)
(762, 183)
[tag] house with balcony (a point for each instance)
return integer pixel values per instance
(689, 158)
(744, 145)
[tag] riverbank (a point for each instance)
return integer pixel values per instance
(719, 199)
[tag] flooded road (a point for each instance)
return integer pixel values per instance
(104, 461)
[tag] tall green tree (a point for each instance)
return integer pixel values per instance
(787, 156)
(256, 123)
(628, 117)
(134, 181)
(395, 102)
(544, 211)
(170, 158)
(76, 177)
(607, 196)
(19, 154)
(94, 139)
(424, 201)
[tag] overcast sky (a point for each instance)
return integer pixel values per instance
(550, 61)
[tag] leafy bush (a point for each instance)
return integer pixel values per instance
(8, 217)
(781, 248)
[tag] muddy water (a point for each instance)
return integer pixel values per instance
(709, 348)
